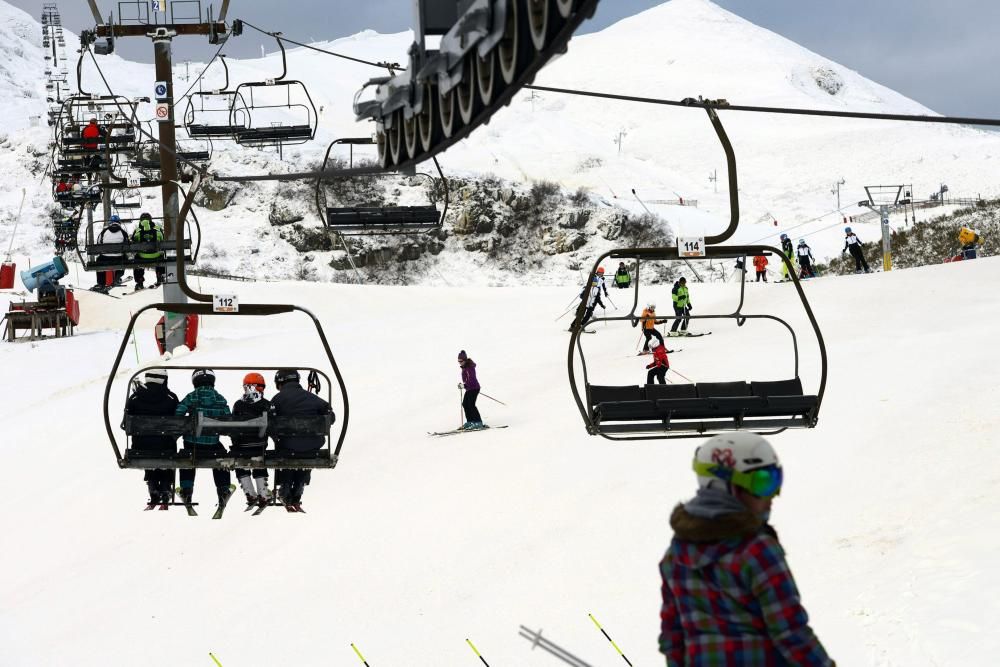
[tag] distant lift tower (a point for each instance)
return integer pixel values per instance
(883, 199)
(161, 21)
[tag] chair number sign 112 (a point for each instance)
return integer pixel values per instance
(225, 303)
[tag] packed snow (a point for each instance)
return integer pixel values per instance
(414, 544)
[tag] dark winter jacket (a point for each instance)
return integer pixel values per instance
(294, 401)
(152, 400)
(208, 402)
(728, 595)
(788, 248)
(244, 410)
(469, 375)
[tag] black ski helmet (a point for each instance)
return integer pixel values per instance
(286, 375)
(203, 377)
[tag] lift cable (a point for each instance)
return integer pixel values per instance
(723, 105)
(392, 67)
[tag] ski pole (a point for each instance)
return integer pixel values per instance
(565, 313)
(361, 657)
(476, 651)
(608, 637)
(214, 659)
(491, 398)
(461, 413)
(683, 376)
(608, 297)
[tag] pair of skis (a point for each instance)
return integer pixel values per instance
(464, 430)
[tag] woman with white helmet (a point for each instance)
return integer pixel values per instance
(728, 595)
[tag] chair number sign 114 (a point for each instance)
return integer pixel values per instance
(691, 246)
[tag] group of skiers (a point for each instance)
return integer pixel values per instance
(154, 398)
(802, 256)
(146, 231)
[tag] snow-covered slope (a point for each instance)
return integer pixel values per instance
(679, 49)
(413, 544)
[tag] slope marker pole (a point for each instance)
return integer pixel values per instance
(610, 640)
(476, 651)
(360, 657)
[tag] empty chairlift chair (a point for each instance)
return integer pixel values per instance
(381, 220)
(695, 409)
(211, 114)
(278, 112)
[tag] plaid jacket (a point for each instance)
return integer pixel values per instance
(729, 598)
(208, 402)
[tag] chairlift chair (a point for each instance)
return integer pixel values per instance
(692, 410)
(218, 120)
(635, 412)
(95, 256)
(262, 129)
(198, 425)
(381, 220)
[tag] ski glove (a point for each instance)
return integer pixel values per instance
(461, 386)
(648, 366)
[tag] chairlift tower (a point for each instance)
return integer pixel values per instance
(882, 199)
(161, 21)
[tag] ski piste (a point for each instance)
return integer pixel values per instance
(224, 502)
(465, 430)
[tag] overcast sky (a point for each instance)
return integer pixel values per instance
(943, 54)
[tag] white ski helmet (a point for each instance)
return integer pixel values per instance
(739, 458)
(654, 343)
(651, 306)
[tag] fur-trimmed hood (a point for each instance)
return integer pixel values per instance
(706, 529)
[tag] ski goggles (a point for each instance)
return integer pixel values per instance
(762, 482)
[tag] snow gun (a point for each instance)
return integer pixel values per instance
(45, 277)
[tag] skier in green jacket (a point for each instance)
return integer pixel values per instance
(682, 307)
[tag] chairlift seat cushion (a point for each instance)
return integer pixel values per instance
(611, 393)
(722, 389)
(656, 392)
(791, 387)
(626, 411)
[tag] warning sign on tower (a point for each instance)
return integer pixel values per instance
(162, 112)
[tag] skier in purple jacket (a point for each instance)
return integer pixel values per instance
(471, 386)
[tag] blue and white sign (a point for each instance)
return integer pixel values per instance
(160, 90)
(158, 5)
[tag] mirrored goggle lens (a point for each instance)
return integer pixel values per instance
(765, 482)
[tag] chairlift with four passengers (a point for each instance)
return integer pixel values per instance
(133, 425)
